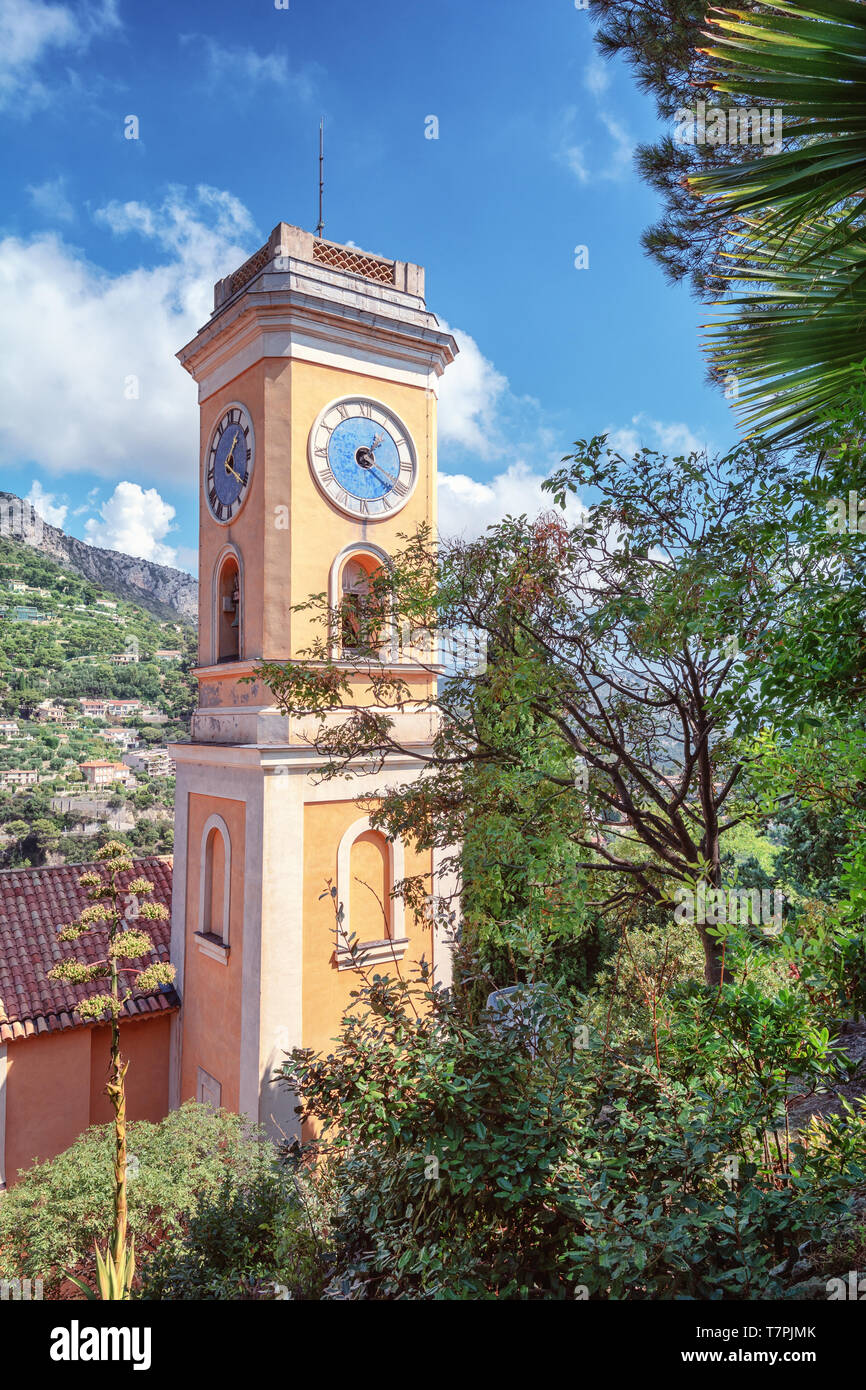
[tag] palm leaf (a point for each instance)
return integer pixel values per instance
(814, 69)
(796, 334)
(794, 325)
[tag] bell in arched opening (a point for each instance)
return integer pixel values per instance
(229, 611)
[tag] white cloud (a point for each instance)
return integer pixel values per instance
(622, 154)
(46, 504)
(76, 343)
(468, 507)
(30, 31)
(574, 158)
(596, 77)
(237, 68)
(50, 200)
(667, 437)
(468, 395)
(578, 135)
(134, 521)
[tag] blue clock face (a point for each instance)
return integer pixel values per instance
(362, 457)
(229, 464)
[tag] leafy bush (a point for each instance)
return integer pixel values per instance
(240, 1243)
(474, 1163)
(51, 1217)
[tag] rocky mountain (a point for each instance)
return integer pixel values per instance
(163, 591)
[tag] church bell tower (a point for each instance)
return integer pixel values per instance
(317, 377)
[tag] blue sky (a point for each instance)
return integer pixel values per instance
(109, 246)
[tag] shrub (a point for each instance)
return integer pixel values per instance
(51, 1217)
(241, 1243)
(475, 1163)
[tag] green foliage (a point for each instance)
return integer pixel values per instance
(51, 1217)
(241, 1242)
(662, 43)
(409, 1087)
(793, 329)
(472, 1162)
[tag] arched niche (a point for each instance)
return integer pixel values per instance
(228, 618)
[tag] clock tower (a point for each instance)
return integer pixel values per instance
(317, 376)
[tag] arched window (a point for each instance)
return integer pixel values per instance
(357, 601)
(369, 867)
(215, 881)
(229, 610)
(357, 630)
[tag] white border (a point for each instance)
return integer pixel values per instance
(407, 435)
(230, 405)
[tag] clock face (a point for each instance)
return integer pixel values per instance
(229, 464)
(363, 458)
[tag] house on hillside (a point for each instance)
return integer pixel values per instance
(19, 777)
(53, 1065)
(110, 708)
(99, 772)
(157, 762)
(124, 738)
(49, 712)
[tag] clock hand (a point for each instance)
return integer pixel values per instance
(230, 456)
(383, 473)
(234, 474)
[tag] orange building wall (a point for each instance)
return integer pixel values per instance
(327, 990)
(47, 1096)
(247, 531)
(53, 1085)
(146, 1046)
(212, 990)
(319, 532)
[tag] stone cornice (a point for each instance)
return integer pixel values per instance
(294, 310)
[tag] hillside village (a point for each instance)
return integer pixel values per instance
(92, 690)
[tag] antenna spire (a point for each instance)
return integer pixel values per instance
(321, 227)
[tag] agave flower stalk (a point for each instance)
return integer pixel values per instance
(113, 907)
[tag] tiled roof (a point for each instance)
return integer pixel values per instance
(33, 904)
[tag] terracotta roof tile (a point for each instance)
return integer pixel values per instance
(33, 904)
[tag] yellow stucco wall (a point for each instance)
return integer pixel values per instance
(213, 990)
(326, 989)
(287, 533)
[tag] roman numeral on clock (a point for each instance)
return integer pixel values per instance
(400, 488)
(366, 410)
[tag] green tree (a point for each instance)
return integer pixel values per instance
(618, 637)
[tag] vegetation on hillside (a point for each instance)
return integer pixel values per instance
(58, 635)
